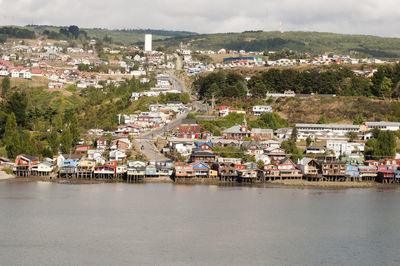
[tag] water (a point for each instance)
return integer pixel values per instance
(165, 224)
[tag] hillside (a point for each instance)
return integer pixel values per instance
(337, 109)
(314, 42)
(123, 37)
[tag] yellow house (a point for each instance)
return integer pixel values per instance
(86, 165)
(212, 174)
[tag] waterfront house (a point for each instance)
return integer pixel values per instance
(310, 168)
(86, 167)
(136, 171)
(333, 170)
(226, 171)
(287, 170)
(183, 170)
(23, 164)
(352, 172)
(200, 169)
(151, 170)
(104, 171)
(165, 168)
(367, 173)
(271, 172)
(68, 168)
(42, 169)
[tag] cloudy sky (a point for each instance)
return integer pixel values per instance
(376, 17)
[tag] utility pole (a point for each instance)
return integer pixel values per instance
(212, 103)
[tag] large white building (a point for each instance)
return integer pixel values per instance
(344, 147)
(392, 126)
(148, 43)
(325, 131)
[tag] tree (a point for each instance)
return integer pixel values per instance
(294, 134)
(74, 130)
(5, 86)
(386, 87)
(352, 136)
(382, 145)
(11, 137)
(322, 120)
(358, 120)
(308, 141)
(54, 142)
(66, 141)
(17, 104)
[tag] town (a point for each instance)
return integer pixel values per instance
(178, 134)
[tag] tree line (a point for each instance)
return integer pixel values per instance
(336, 80)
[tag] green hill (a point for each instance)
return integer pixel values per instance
(313, 42)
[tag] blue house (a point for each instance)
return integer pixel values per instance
(352, 171)
(151, 170)
(69, 167)
(200, 169)
(203, 146)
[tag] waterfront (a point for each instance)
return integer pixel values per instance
(45, 223)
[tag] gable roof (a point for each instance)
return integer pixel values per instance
(199, 165)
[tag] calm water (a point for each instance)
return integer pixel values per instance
(166, 224)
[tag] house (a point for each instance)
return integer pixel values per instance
(101, 143)
(200, 169)
(341, 148)
(151, 170)
(252, 148)
(202, 156)
(333, 170)
(189, 129)
(104, 171)
(225, 110)
(204, 146)
(69, 168)
(136, 171)
(226, 171)
(276, 154)
(238, 132)
(310, 168)
(221, 142)
(260, 109)
(261, 134)
(121, 144)
(24, 164)
(182, 146)
(183, 170)
(42, 169)
(117, 155)
(86, 165)
(287, 170)
(367, 173)
(352, 172)
(82, 149)
(315, 150)
(165, 168)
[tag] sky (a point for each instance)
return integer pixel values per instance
(374, 17)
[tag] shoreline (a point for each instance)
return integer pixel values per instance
(210, 181)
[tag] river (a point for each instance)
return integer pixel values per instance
(165, 224)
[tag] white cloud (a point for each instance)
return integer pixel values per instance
(206, 16)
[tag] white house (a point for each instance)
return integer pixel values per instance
(25, 74)
(260, 109)
(14, 73)
(4, 73)
(117, 155)
(344, 147)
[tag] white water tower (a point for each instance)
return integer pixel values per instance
(147, 43)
